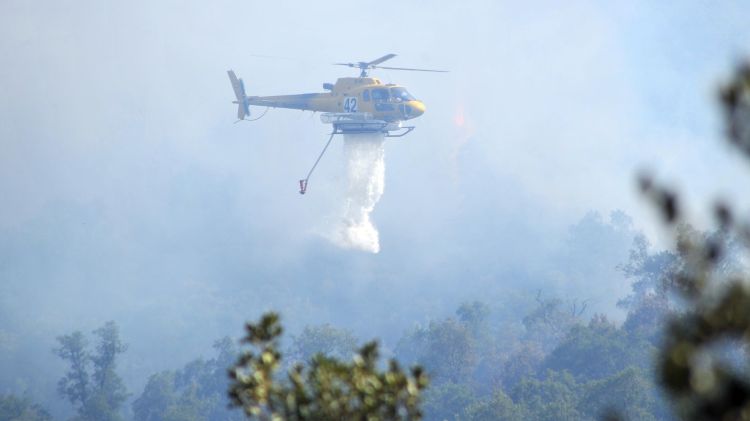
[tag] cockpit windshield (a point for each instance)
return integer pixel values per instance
(400, 95)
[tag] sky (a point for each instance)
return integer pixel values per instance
(128, 194)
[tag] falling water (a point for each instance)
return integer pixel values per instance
(365, 162)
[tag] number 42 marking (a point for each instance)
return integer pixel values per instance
(350, 104)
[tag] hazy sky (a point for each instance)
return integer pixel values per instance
(106, 103)
(127, 193)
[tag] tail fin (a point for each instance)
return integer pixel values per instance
(243, 106)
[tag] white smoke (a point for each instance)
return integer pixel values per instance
(365, 162)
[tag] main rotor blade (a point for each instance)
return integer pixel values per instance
(413, 70)
(345, 64)
(272, 57)
(381, 59)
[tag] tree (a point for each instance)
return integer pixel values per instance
(195, 392)
(157, 398)
(549, 322)
(702, 385)
(13, 408)
(108, 392)
(447, 349)
(649, 303)
(630, 393)
(649, 272)
(474, 316)
(75, 384)
(97, 397)
(598, 350)
(497, 408)
(324, 339)
(554, 398)
(326, 389)
(524, 363)
(447, 401)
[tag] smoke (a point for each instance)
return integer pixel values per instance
(365, 162)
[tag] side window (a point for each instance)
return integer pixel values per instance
(380, 95)
(366, 95)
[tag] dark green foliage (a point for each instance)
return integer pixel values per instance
(108, 392)
(447, 349)
(474, 317)
(499, 407)
(327, 389)
(598, 350)
(196, 392)
(555, 398)
(649, 303)
(708, 389)
(324, 339)
(650, 272)
(548, 324)
(451, 351)
(98, 396)
(524, 382)
(481, 371)
(157, 398)
(629, 393)
(646, 320)
(13, 408)
(489, 374)
(702, 384)
(75, 384)
(525, 362)
(550, 364)
(735, 100)
(447, 401)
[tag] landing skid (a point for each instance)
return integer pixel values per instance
(405, 131)
(360, 123)
(401, 131)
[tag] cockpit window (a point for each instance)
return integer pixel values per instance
(400, 95)
(380, 94)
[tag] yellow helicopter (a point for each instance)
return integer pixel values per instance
(352, 105)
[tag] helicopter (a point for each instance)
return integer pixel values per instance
(352, 105)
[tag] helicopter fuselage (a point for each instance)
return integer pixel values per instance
(387, 102)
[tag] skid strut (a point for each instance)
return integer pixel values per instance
(304, 181)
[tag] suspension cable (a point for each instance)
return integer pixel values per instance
(303, 182)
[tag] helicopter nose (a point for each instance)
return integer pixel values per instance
(416, 108)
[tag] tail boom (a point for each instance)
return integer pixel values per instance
(309, 102)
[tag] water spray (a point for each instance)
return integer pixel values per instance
(365, 169)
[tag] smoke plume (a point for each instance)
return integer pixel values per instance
(365, 162)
